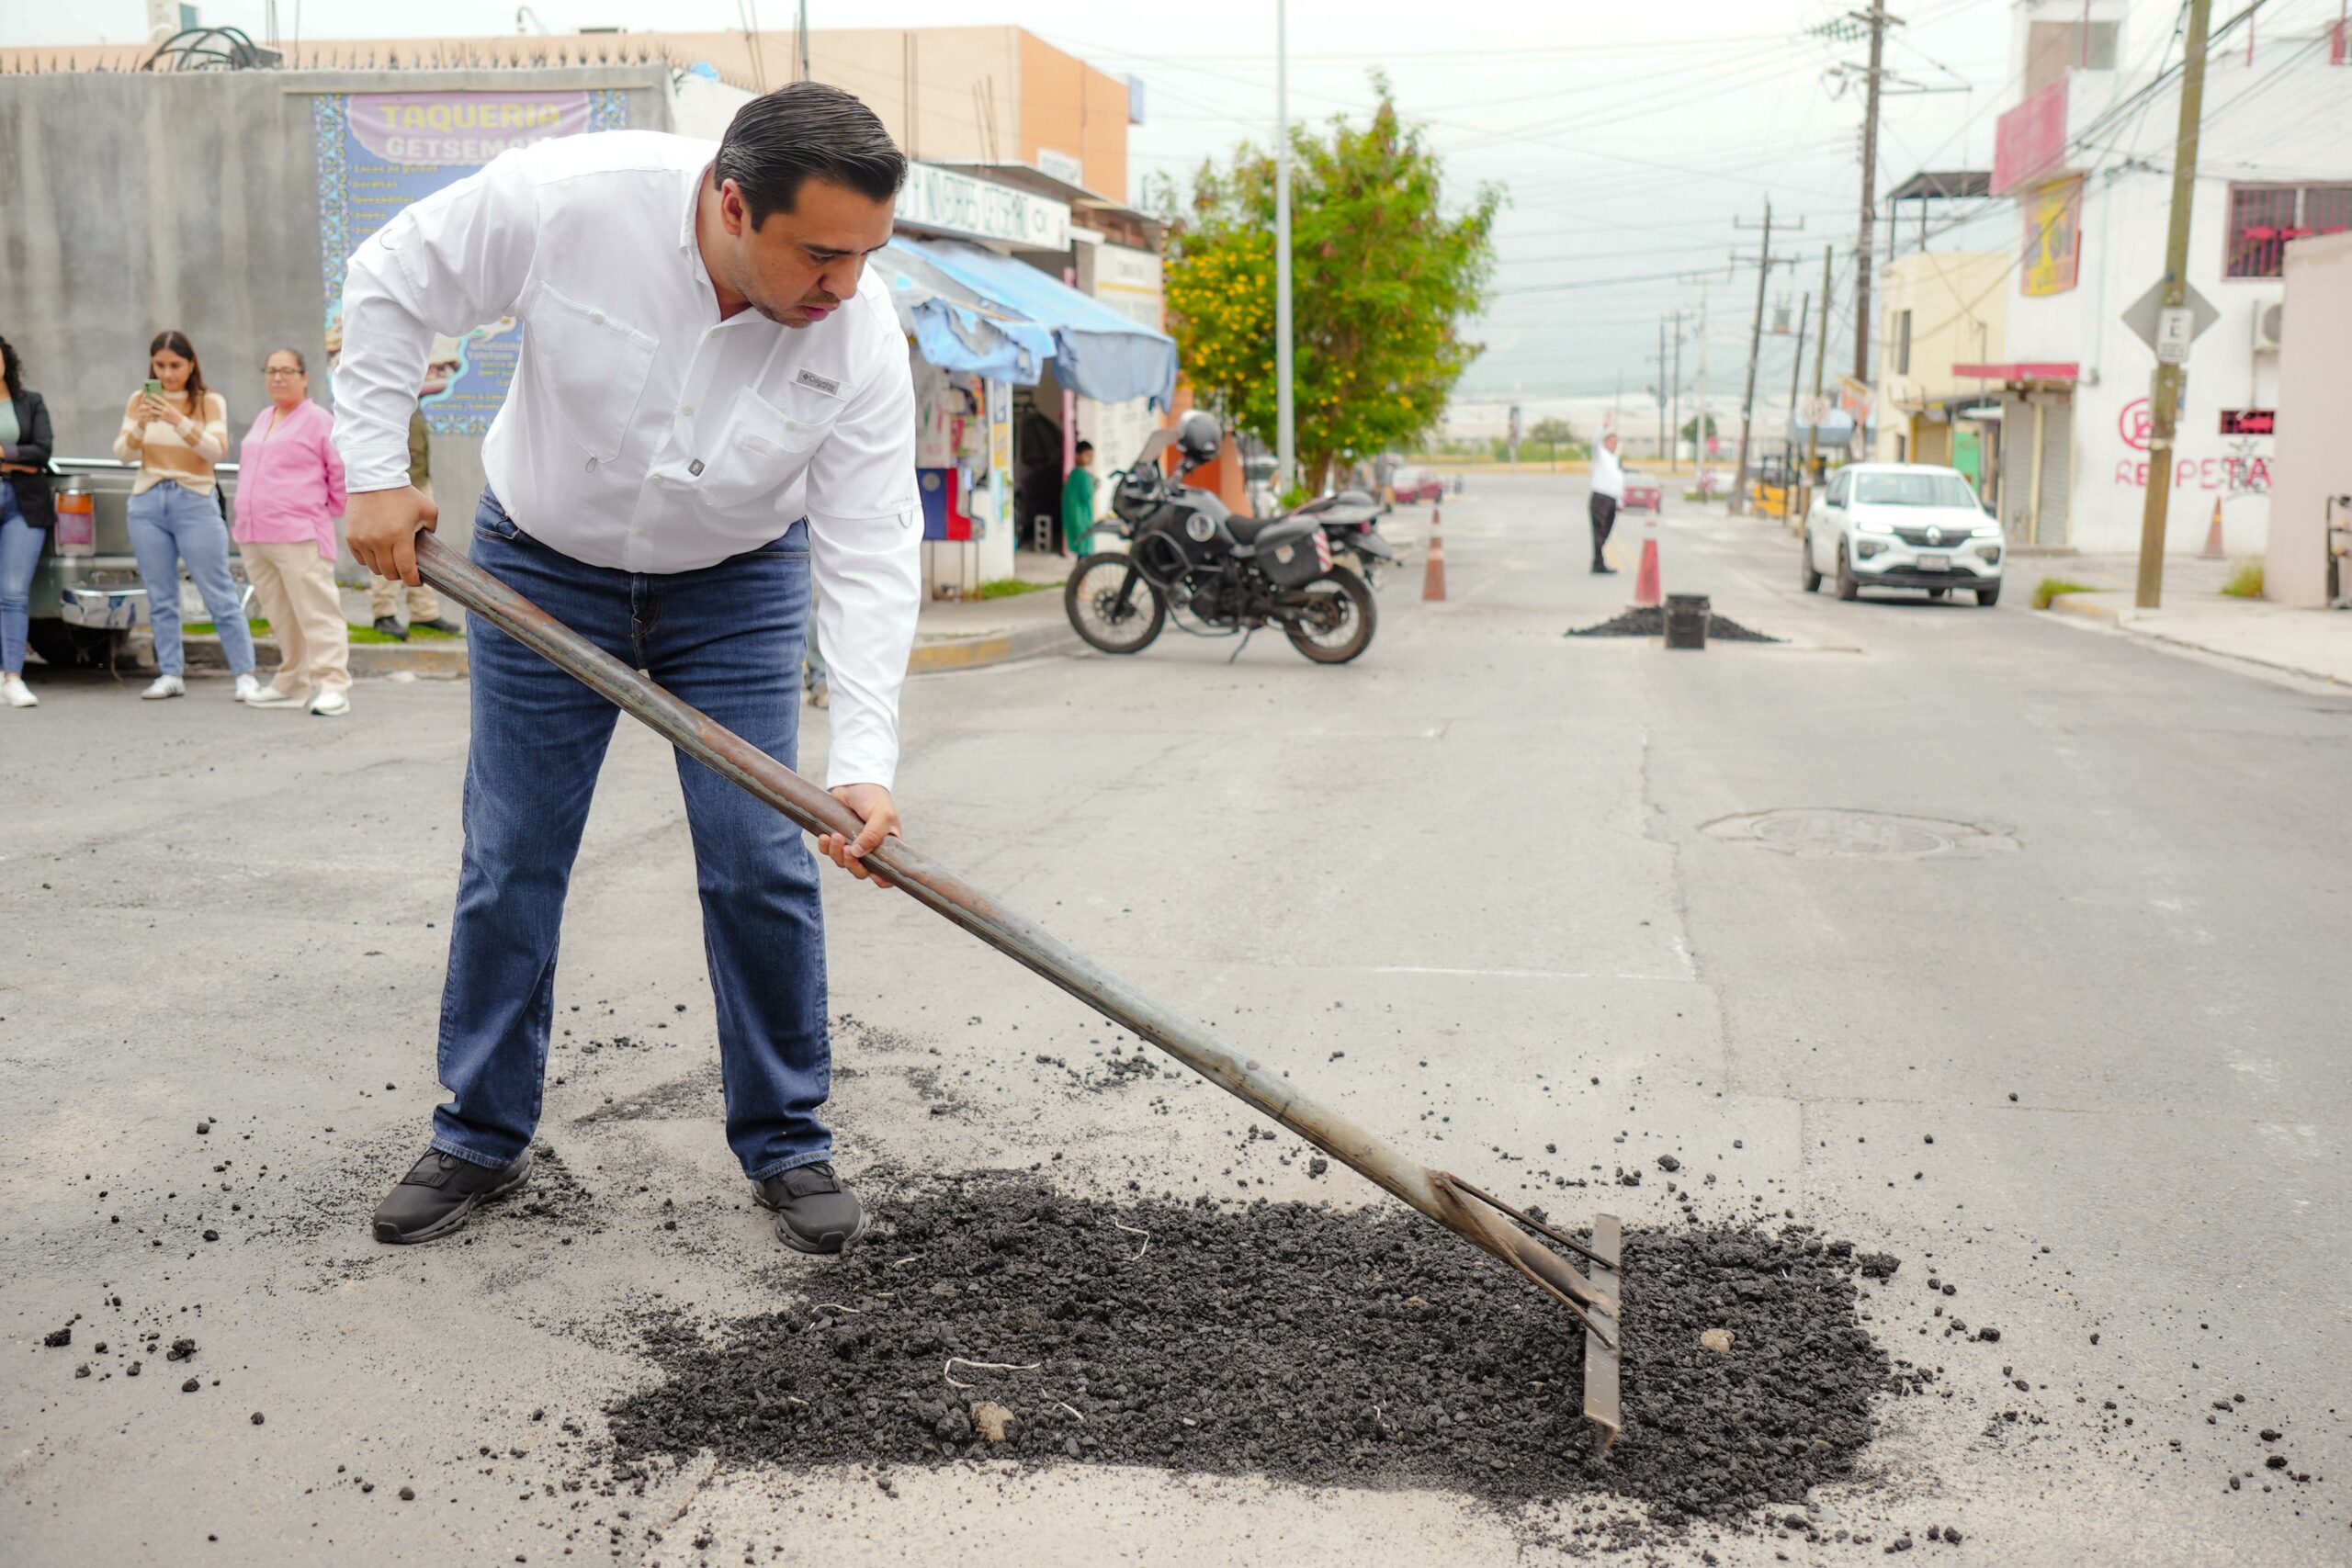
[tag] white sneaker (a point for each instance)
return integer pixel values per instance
(165, 686)
(330, 704)
(15, 693)
(271, 698)
(247, 689)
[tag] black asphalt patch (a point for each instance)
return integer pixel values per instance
(1315, 1347)
(1652, 623)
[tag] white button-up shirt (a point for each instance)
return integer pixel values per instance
(1607, 475)
(642, 432)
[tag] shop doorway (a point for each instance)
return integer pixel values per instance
(1037, 466)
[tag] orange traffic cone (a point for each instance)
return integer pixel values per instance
(1433, 579)
(1647, 592)
(2213, 551)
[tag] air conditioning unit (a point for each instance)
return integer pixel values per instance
(2269, 321)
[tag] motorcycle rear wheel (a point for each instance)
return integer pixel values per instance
(1108, 610)
(1338, 619)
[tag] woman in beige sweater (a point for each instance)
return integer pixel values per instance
(175, 429)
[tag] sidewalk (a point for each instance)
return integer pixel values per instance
(2315, 643)
(966, 634)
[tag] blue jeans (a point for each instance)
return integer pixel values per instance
(171, 523)
(20, 545)
(727, 640)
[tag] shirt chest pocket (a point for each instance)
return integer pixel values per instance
(765, 450)
(595, 368)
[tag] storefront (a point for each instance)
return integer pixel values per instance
(1013, 367)
(2035, 449)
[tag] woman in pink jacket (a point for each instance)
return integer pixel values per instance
(289, 492)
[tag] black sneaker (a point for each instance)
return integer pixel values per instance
(436, 1196)
(390, 626)
(815, 1210)
(1601, 569)
(438, 623)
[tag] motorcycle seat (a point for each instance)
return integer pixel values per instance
(1246, 529)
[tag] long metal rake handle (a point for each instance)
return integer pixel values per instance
(1434, 1193)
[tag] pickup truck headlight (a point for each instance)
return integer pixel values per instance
(1873, 525)
(1986, 531)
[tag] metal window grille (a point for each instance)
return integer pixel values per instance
(2263, 218)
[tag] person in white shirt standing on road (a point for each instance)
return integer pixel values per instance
(1608, 494)
(712, 407)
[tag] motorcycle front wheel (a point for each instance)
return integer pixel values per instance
(1112, 605)
(1336, 617)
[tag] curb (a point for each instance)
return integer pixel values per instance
(2095, 607)
(977, 652)
(441, 660)
(2116, 611)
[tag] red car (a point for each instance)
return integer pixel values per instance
(1643, 494)
(1413, 485)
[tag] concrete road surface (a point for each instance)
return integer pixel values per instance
(2073, 907)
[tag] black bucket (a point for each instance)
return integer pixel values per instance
(1686, 620)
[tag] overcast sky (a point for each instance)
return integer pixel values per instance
(1628, 137)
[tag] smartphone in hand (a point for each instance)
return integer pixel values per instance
(154, 389)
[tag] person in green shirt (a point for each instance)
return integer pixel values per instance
(1077, 503)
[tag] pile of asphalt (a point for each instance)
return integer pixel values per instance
(1365, 1348)
(1651, 621)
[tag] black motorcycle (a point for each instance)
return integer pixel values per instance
(1192, 559)
(1350, 518)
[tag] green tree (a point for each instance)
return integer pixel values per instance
(1381, 277)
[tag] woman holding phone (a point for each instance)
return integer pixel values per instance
(27, 513)
(175, 429)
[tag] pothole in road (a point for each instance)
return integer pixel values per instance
(1819, 832)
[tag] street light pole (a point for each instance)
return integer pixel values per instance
(1285, 412)
(2163, 394)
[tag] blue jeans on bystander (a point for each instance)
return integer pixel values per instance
(171, 523)
(20, 545)
(727, 640)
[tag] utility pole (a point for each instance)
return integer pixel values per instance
(1674, 419)
(1661, 388)
(1877, 20)
(1820, 359)
(1764, 264)
(1705, 428)
(801, 27)
(2163, 394)
(1286, 414)
(1796, 369)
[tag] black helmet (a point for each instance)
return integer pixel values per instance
(1200, 435)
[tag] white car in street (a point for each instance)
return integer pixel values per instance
(1902, 525)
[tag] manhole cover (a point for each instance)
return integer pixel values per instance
(1828, 832)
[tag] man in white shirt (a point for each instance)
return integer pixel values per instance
(1608, 494)
(713, 406)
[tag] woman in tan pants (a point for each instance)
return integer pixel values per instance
(289, 492)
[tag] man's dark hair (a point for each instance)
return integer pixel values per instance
(1084, 447)
(782, 138)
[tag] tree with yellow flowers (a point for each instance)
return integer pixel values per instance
(1381, 280)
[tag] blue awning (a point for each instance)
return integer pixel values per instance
(1101, 353)
(954, 328)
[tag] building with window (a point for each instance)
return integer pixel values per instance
(1941, 309)
(2085, 157)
